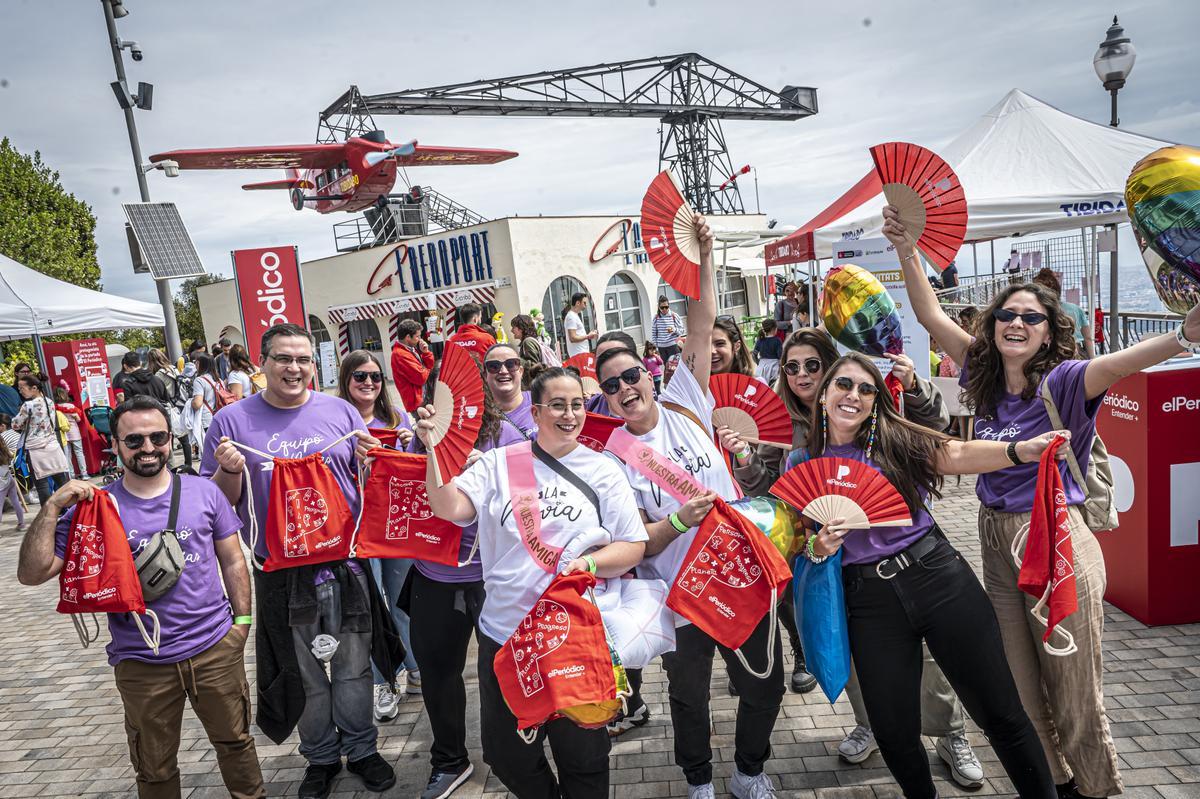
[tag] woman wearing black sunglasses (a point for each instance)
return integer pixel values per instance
(1017, 369)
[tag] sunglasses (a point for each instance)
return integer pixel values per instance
(135, 440)
(865, 390)
(811, 365)
(362, 377)
(494, 367)
(629, 377)
(1031, 318)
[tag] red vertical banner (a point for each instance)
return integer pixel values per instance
(269, 292)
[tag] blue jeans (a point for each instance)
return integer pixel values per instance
(390, 575)
(338, 713)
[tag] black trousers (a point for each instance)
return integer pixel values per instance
(938, 600)
(581, 756)
(443, 616)
(689, 671)
(48, 484)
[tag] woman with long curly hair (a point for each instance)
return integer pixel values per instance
(1017, 370)
(906, 586)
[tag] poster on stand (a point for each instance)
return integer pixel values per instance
(327, 359)
(878, 256)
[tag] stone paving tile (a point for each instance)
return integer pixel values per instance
(61, 730)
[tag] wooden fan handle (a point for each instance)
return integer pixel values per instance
(768, 443)
(437, 472)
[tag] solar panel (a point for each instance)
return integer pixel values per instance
(163, 240)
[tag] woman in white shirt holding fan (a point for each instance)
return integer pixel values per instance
(679, 428)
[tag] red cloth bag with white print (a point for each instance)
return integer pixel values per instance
(98, 575)
(731, 577)
(558, 657)
(308, 519)
(396, 520)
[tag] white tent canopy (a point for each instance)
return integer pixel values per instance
(1025, 167)
(32, 303)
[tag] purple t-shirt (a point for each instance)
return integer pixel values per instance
(285, 433)
(876, 543)
(1011, 490)
(194, 615)
(508, 434)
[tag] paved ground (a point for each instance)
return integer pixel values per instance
(61, 730)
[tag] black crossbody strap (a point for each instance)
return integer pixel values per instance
(569, 476)
(173, 516)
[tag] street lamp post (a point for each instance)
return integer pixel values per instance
(170, 327)
(1113, 62)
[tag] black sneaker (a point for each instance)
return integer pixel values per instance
(318, 779)
(802, 682)
(443, 783)
(377, 776)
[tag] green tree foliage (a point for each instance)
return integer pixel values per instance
(187, 307)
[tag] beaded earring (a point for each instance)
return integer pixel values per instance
(871, 432)
(824, 423)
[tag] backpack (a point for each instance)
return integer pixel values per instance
(549, 356)
(183, 390)
(221, 395)
(1099, 509)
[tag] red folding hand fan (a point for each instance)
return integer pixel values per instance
(597, 429)
(925, 189)
(840, 488)
(749, 407)
(458, 400)
(585, 364)
(669, 235)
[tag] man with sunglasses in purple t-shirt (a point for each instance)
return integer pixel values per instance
(203, 629)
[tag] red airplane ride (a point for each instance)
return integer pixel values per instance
(336, 177)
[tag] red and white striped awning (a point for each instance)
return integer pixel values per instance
(377, 308)
(456, 297)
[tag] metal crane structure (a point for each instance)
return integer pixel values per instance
(688, 93)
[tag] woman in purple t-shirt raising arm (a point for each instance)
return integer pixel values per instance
(1025, 340)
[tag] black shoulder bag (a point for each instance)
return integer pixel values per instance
(160, 563)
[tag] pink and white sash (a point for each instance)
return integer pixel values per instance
(654, 466)
(526, 509)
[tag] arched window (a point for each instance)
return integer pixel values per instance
(557, 295)
(318, 329)
(623, 307)
(364, 335)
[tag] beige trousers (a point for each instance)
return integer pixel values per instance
(1063, 695)
(941, 712)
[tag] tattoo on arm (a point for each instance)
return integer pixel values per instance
(690, 362)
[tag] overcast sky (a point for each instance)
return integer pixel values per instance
(256, 72)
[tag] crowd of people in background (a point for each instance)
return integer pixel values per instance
(340, 644)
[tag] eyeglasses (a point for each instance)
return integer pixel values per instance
(1030, 318)
(494, 367)
(362, 377)
(630, 377)
(135, 440)
(865, 390)
(811, 365)
(288, 360)
(560, 407)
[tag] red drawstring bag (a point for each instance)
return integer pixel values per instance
(558, 657)
(731, 577)
(98, 575)
(396, 520)
(308, 520)
(387, 435)
(1048, 566)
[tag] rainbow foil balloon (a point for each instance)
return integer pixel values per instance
(859, 313)
(776, 519)
(1162, 196)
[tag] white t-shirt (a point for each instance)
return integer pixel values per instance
(513, 580)
(572, 321)
(242, 379)
(680, 439)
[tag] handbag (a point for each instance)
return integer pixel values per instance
(820, 604)
(160, 562)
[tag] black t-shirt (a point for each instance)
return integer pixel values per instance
(768, 347)
(141, 382)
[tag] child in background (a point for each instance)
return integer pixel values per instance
(74, 448)
(767, 351)
(8, 487)
(654, 365)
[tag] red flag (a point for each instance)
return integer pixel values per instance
(1048, 567)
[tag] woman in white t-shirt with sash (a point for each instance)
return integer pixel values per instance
(572, 490)
(676, 471)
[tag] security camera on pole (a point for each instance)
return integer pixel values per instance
(114, 10)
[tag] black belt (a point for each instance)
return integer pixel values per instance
(892, 565)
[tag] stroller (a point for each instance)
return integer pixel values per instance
(100, 417)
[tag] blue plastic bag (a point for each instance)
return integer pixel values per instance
(821, 620)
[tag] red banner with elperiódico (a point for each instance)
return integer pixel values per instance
(269, 291)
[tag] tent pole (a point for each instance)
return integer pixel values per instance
(974, 259)
(992, 244)
(1114, 278)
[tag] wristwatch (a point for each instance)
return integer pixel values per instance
(1012, 454)
(1191, 346)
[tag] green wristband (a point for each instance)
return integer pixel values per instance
(591, 563)
(243, 619)
(677, 523)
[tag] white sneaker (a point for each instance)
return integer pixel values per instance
(701, 791)
(387, 704)
(412, 684)
(956, 752)
(756, 787)
(635, 718)
(858, 745)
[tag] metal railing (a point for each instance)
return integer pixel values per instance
(1136, 325)
(401, 219)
